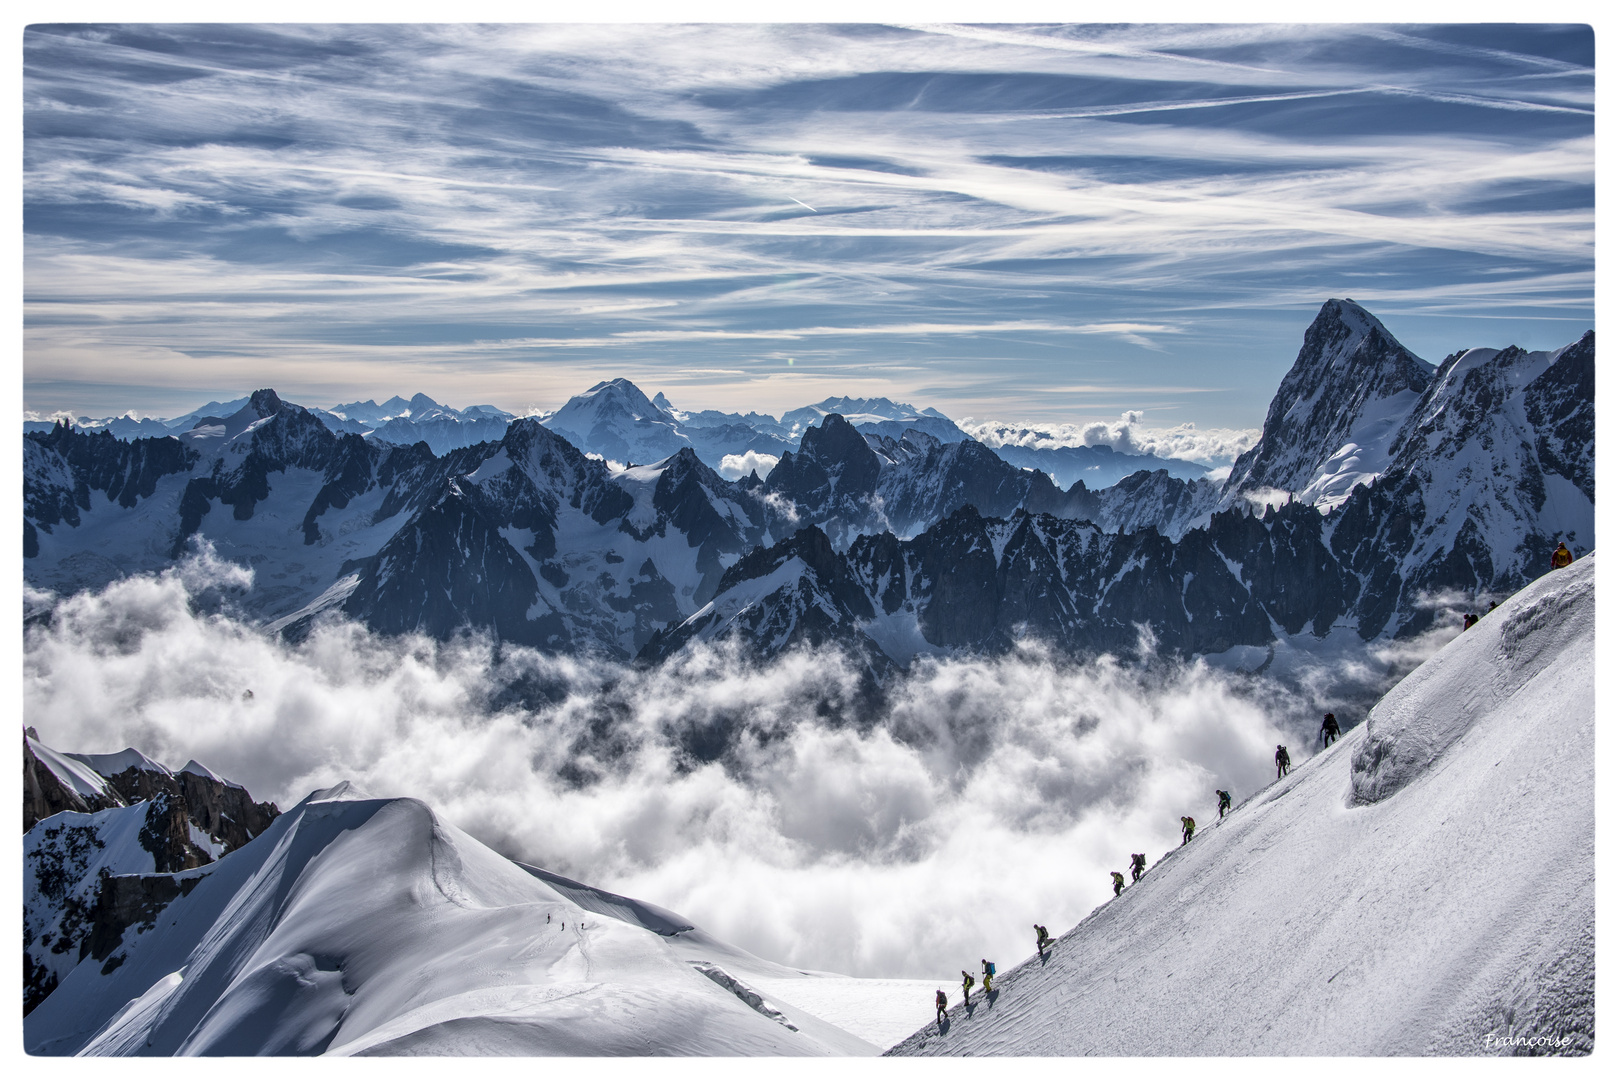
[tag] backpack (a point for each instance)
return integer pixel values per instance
(991, 969)
(940, 999)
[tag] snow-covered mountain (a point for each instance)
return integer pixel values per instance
(420, 419)
(440, 427)
(1487, 472)
(615, 420)
(977, 584)
(860, 412)
(1424, 886)
(534, 538)
(361, 926)
(545, 546)
(526, 537)
(851, 484)
(1332, 422)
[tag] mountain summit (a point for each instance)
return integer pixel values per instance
(1332, 419)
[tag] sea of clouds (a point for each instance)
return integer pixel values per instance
(1127, 435)
(779, 805)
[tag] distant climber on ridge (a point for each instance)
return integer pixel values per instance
(1042, 938)
(1328, 728)
(1187, 827)
(1137, 866)
(988, 975)
(1117, 883)
(941, 1003)
(1224, 802)
(1283, 762)
(1468, 620)
(1561, 557)
(966, 987)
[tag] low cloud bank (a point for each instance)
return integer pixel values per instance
(908, 838)
(1206, 446)
(736, 466)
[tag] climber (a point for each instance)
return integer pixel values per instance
(941, 1003)
(1328, 728)
(1137, 866)
(1187, 827)
(1468, 621)
(1282, 762)
(1042, 938)
(988, 975)
(966, 986)
(1561, 557)
(1117, 883)
(1224, 802)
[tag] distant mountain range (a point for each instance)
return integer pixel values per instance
(616, 421)
(1380, 482)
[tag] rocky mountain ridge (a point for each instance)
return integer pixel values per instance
(1480, 466)
(109, 840)
(1461, 486)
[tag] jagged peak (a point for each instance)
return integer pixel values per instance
(265, 402)
(834, 437)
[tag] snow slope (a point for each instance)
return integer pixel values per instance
(879, 1011)
(370, 926)
(1424, 886)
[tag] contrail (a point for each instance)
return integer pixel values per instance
(805, 205)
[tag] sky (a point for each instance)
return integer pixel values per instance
(1040, 222)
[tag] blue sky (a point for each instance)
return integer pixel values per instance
(1041, 222)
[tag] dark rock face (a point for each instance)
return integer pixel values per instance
(816, 600)
(43, 794)
(1285, 560)
(451, 566)
(447, 570)
(1561, 404)
(224, 811)
(61, 468)
(688, 499)
(850, 484)
(981, 584)
(167, 835)
(831, 478)
(129, 900)
(293, 438)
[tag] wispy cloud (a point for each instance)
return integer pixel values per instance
(1045, 197)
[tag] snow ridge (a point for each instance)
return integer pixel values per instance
(1389, 896)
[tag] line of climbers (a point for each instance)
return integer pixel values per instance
(1329, 732)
